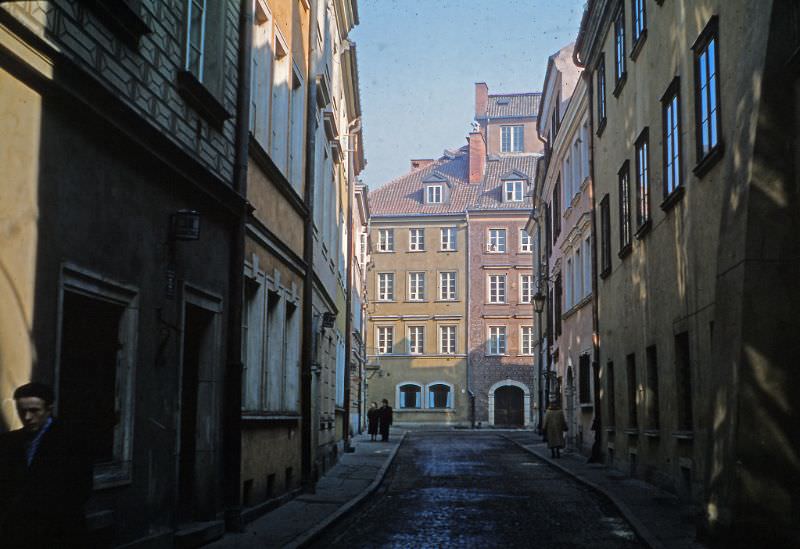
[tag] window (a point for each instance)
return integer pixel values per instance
(261, 86)
(511, 138)
(497, 241)
(566, 176)
(708, 118)
(525, 288)
(671, 120)
(584, 379)
(568, 296)
(385, 240)
(410, 396)
(385, 340)
(587, 266)
(385, 286)
(96, 362)
(683, 369)
(619, 47)
(497, 288)
(633, 416)
(526, 340)
(282, 80)
(416, 240)
(416, 340)
(447, 340)
(624, 209)
(416, 286)
(601, 94)
(440, 396)
(577, 271)
(610, 387)
(497, 340)
(556, 117)
(297, 131)
(651, 388)
(282, 327)
(638, 21)
(642, 179)
(557, 295)
(605, 237)
(253, 343)
(556, 201)
(433, 194)
(362, 249)
(513, 191)
(448, 239)
(447, 286)
(525, 242)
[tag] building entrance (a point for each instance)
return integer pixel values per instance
(509, 406)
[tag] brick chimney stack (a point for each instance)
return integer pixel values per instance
(420, 162)
(481, 99)
(477, 156)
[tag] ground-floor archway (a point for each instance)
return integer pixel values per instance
(509, 402)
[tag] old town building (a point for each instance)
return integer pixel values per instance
(695, 196)
(564, 202)
(120, 204)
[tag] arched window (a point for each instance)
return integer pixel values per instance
(440, 396)
(410, 396)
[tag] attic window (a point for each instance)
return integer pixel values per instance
(503, 101)
(433, 194)
(513, 191)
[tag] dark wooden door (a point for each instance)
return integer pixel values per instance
(509, 407)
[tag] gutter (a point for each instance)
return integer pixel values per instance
(470, 392)
(232, 414)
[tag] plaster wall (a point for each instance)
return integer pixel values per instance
(492, 134)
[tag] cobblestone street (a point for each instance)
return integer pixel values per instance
(477, 489)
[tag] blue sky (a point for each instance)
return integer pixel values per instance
(419, 59)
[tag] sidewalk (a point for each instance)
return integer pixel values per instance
(659, 518)
(301, 520)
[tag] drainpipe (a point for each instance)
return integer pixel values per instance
(232, 437)
(470, 393)
(307, 354)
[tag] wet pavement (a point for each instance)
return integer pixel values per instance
(479, 489)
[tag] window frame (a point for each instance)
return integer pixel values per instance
(442, 349)
(638, 23)
(602, 90)
(416, 339)
(416, 288)
(510, 193)
(448, 297)
(448, 401)
(494, 240)
(605, 236)
(530, 288)
(379, 294)
(502, 335)
(642, 167)
(671, 102)
(515, 138)
(525, 242)
(531, 340)
(501, 278)
(385, 245)
(620, 65)
(450, 232)
(433, 192)
(400, 401)
(416, 239)
(624, 210)
(707, 160)
(387, 349)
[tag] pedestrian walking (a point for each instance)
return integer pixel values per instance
(373, 418)
(45, 476)
(554, 426)
(385, 420)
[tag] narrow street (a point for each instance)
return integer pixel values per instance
(478, 489)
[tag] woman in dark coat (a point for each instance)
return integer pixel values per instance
(373, 420)
(554, 426)
(386, 420)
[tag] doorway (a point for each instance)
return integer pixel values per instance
(198, 346)
(509, 407)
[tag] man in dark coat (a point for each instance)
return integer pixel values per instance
(385, 420)
(45, 477)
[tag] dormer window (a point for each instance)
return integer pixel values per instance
(433, 194)
(513, 191)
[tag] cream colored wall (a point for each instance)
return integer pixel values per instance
(531, 141)
(20, 125)
(400, 314)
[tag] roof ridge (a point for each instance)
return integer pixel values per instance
(514, 93)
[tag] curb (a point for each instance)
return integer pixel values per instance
(641, 530)
(306, 539)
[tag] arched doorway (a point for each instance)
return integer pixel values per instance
(509, 406)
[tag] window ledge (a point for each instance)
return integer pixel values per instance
(385, 301)
(611, 430)
(632, 431)
(414, 251)
(265, 417)
(428, 410)
(710, 160)
(643, 229)
(625, 251)
(683, 435)
(415, 301)
(495, 355)
(620, 84)
(673, 198)
(201, 99)
(637, 46)
(122, 19)
(447, 301)
(385, 251)
(447, 251)
(652, 433)
(601, 126)
(586, 405)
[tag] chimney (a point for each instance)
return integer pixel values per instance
(417, 163)
(481, 99)
(477, 156)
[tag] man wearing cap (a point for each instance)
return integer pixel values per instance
(45, 476)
